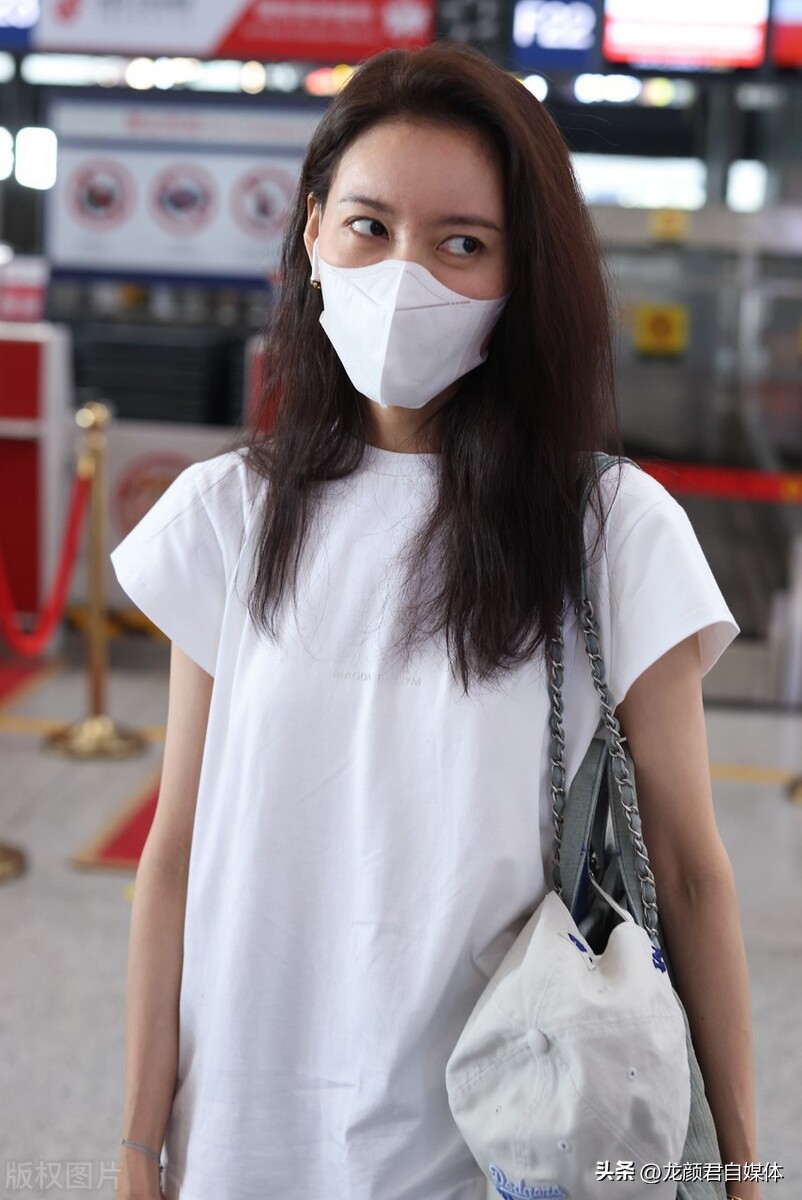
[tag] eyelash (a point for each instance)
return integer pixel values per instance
(469, 236)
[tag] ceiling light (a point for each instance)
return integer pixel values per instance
(35, 157)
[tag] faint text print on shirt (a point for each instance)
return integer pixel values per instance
(376, 677)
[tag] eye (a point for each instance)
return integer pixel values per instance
(374, 226)
(467, 246)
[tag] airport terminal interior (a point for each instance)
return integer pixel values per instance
(147, 166)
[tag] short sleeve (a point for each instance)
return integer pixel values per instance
(653, 585)
(175, 563)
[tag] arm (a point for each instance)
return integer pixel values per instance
(155, 954)
(662, 718)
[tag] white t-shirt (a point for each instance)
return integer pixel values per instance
(367, 841)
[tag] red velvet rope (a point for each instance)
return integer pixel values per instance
(726, 483)
(34, 642)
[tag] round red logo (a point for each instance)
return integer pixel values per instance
(140, 484)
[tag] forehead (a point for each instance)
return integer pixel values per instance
(427, 164)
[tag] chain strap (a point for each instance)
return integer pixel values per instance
(620, 764)
(557, 753)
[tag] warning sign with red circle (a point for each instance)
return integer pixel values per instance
(183, 198)
(101, 193)
(261, 198)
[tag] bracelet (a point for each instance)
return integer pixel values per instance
(145, 1150)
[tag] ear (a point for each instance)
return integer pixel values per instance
(312, 227)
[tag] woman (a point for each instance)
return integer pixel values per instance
(359, 605)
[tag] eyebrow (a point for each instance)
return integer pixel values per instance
(452, 219)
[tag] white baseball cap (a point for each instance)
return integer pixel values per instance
(571, 1059)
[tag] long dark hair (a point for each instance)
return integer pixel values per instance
(501, 546)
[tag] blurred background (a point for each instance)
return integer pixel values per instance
(148, 154)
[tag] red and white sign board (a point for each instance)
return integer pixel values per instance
(686, 33)
(23, 288)
(327, 30)
(787, 33)
(172, 189)
(36, 424)
(160, 212)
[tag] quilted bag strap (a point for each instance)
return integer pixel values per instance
(634, 857)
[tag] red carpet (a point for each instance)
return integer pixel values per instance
(119, 845)
(17, 675)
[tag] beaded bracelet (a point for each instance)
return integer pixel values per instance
(145, 1150)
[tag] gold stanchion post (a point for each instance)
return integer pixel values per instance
(12, 862)
(96, 736)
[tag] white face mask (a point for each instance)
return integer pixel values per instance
(401, 336)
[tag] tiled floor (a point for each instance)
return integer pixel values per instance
(64, 932)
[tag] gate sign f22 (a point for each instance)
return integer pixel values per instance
(556, 34)
(330, 30)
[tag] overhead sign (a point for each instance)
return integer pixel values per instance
(786, 41)
(686, 34)
(172, 190)
(481, 23)
(17, 19)
(556, 34)
(328, 30)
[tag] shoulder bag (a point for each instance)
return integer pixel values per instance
(575, 1075)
